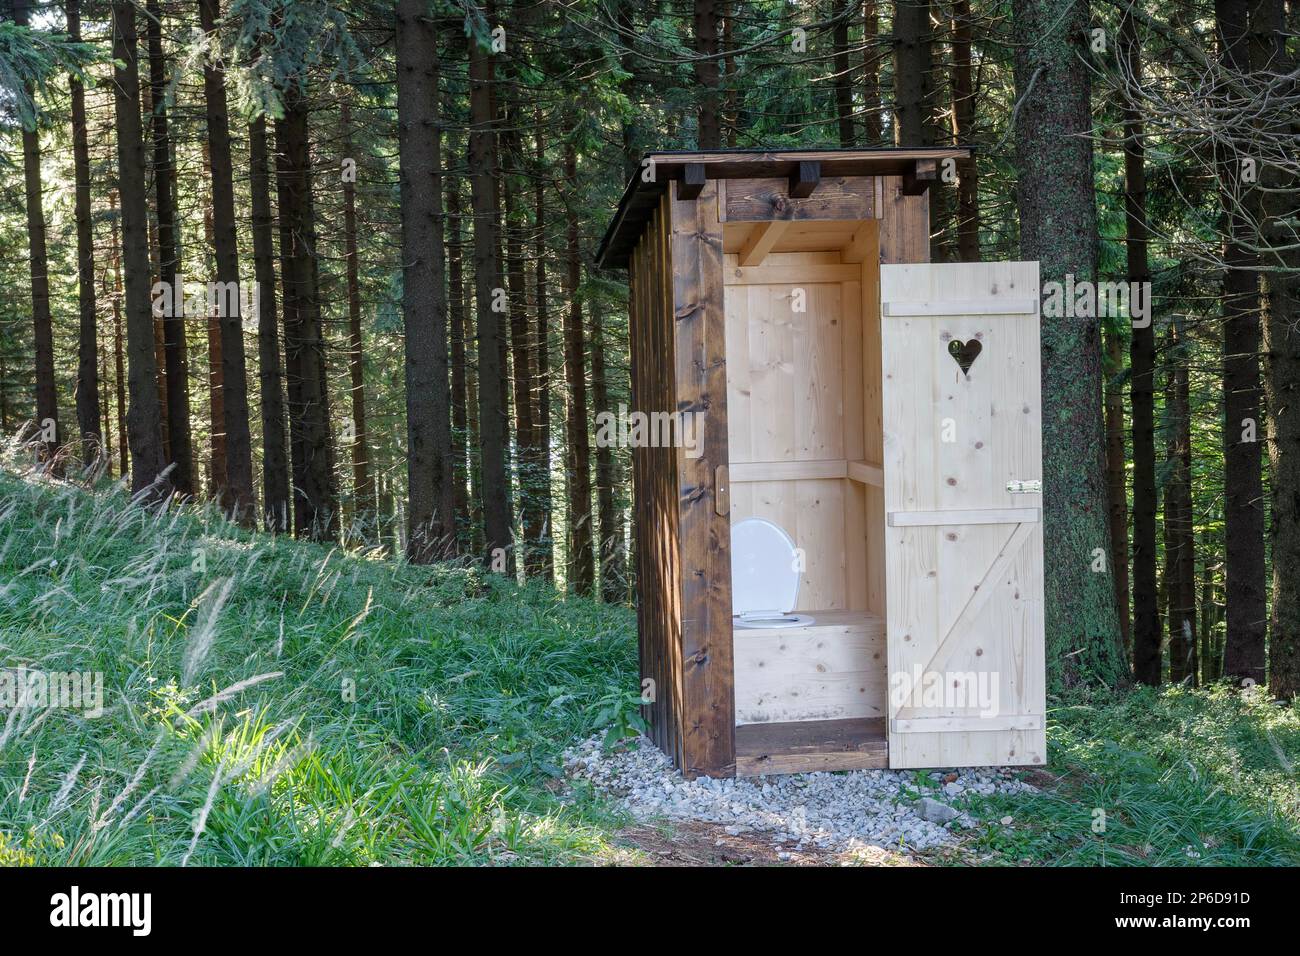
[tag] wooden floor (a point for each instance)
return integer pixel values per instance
(807, 745)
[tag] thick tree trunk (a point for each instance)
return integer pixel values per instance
(709, 133)
(431, 516)
(315, 503)
(963, 113)
(914, 122)
(577, 446)
(1058, 222)
(144, 421)
(180, 447)
(493, 439)
(1279, 209)
(917, 107)
(238, 501)
(1243, 512)
(1146, 634)
(275, 459)
(88, 336)
(363, 485)
(47, 401)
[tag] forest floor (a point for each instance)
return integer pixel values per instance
(272, 702)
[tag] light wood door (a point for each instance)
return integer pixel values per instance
(963, 529)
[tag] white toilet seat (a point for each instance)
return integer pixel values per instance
(764, 576)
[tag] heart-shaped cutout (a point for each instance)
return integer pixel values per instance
(965, 353)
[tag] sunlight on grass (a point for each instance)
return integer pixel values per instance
(283, 703)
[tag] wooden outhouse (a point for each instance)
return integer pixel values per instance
(884, 413)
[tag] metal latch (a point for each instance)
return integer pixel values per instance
(1020, 487)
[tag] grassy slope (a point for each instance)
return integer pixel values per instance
(450, 667)
(419, 713)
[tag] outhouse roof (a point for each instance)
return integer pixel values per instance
(641, 197)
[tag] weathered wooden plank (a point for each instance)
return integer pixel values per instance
(841, 198)
(708, 702)
(807, 746)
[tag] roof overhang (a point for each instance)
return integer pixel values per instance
(642, 194)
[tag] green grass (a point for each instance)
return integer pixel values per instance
(1169, 777)
(401, 715)
(414, 716)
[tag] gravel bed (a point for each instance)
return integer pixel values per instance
(837, 812)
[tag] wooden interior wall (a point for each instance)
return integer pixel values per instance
(904, 236)
(795, 409)
(654, 477)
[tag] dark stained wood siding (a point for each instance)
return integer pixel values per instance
(708, 698)
(654, 476)
(764, 200)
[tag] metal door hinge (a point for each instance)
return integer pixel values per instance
(1019, 487)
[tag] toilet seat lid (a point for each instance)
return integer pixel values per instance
(764, 576)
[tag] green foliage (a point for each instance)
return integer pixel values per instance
(29, 59)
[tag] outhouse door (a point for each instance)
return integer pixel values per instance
(962, 469)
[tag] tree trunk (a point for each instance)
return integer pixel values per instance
(431, 516)
(238, 500)
(1117, 482)
(1270, 55)
(47, 401)
(542, 544)
(917, 106)
(180, 449)
(578, 450)
(1180, 541)
(119, 357)
(88, 334)
(144, 421)
(843, 72)
(275, 459)
(363, 485)
(315, 504)
(520, 348)
(1243, 512)
(871, 106)
(913, 75)
(613, 577)
(1146, 635)
(1059, 228)
(459, 383)
(709, 133)
(493, 439)
(963, 132)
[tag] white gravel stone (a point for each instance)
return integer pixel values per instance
(836, 811)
